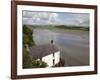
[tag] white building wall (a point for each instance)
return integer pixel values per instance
(48, 59)
(57, 57)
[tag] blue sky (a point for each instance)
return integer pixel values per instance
(55, 18)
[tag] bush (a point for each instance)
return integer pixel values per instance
(27, 63)
(44, 64)
(38, 63)
(27, 30)
(27, 39)
(27, 36)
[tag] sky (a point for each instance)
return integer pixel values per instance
(55, 18)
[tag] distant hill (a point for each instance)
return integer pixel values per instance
(85, 28)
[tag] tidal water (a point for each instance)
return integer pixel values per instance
(73, 44)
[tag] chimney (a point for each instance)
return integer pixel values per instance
(51, 41)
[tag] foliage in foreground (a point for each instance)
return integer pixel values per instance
(27, 61)
(31, 63)
(39, 63)
(27, 36)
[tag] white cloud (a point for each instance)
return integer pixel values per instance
(33, 17)
(54, 17)
(82, 19)
(40, 17)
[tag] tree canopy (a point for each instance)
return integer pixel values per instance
(28, 39)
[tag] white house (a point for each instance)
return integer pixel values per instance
(48, 53)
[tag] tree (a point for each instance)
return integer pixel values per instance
(28, 39)
(27, 36)
(27, 62)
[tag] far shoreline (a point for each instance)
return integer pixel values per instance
(62, 27)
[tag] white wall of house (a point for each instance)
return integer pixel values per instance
(57, 57)
(49, 58)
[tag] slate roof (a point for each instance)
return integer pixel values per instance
(42, 50)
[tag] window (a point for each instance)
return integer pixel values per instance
(53, 54)
(53, 61)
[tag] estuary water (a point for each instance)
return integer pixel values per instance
(73, 44)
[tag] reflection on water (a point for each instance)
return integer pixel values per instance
(74, 45)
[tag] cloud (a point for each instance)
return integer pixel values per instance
(53, 18)
(81, 19)
(40, 17)
(43, 18)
